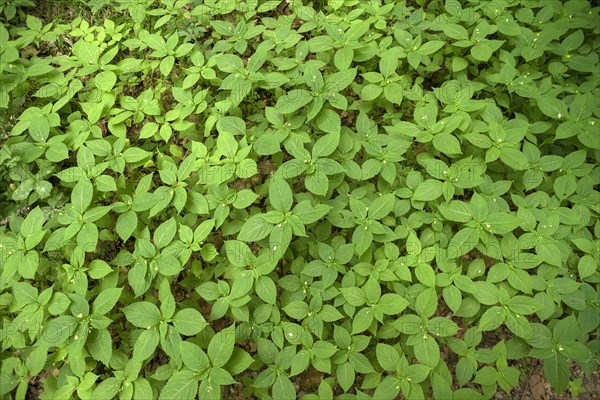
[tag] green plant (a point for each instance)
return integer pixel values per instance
(397, 198)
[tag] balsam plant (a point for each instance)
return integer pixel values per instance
(223, 199)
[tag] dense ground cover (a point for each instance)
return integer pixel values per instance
(263, 199)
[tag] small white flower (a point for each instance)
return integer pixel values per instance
(559, 116)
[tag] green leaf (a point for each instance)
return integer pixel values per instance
(106, 300)
(387, 356)
(425, 274)
(126, 224)
(241, 285)
(254, 229)
(293, 101)
(86, 52)
(32, 223)
(239, 361)
(189, 322)
(317, 183)
(354, 296)
(105, 80)
(280, 194)
(81, 197)
(297, 310)
(447, 143)
(362, 320)
(362, 239)
(381, 206)
(266, 289)
(426, 302)
(58, 330)
(428, 190)
(283, 388)
(463, 242)
(227, 144)
(554, 108)
(392, 304)
(135, 154)
(339, 81)
(328, 121)
(372, 290)
(388, 64)
(146, 344)
(39, 129)
(326, 145)
(430, 47)
(194, 357)
(309, 213)
(107, 389)
(441, 326)
(221, 345)
(586, 266)
(388, 389)
(142, 314)
(556, 370)
(345, 375)
(427, 352)
(183, 385)
(164, 233)
(203, 230)
(360, 363)
(148, 130)
(166, 65)
(452, 297)
(100, 345)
